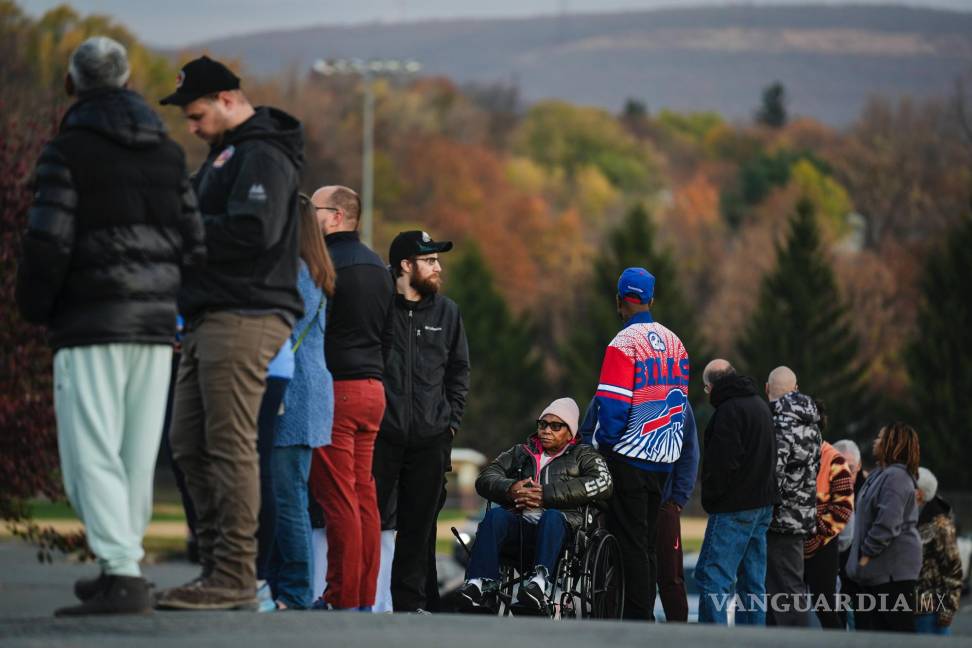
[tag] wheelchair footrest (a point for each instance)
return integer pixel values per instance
(518, 609)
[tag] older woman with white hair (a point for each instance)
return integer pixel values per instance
(940, 582)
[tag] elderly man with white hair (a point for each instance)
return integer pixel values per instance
(112, 225)
(940, 581)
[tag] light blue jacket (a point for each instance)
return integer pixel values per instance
(308, 405)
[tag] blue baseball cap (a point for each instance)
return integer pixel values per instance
(636, 285)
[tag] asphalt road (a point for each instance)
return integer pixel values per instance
(29, 593)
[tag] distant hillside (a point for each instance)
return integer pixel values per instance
(830, 58)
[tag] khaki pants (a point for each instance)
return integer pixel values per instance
(221, 380)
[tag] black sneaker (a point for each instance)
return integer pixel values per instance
(531, 596)
(88, 588)
(119, 595)
(470, 597)
(473, 600)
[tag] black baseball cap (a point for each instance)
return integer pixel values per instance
(414, 243)
(201, 77)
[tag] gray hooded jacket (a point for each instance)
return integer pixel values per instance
(886, 529)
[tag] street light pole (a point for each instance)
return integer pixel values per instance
(367, 70)
(368, 162)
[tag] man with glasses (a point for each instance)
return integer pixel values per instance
(540, 489)
(426, 380)
(341, 480)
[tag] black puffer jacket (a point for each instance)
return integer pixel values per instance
(578, 477)
(248, 197)
(739, 449)
(112, 223)
(426, 370)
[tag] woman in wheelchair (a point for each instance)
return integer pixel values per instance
(541, 488)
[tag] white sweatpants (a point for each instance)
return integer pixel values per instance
(109, 400)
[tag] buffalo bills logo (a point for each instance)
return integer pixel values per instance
(657, 431)
(224, 157)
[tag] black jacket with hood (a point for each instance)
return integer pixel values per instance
(111, 227)
(739, 449)
(571, 480)
(426, 374)
(248, 196)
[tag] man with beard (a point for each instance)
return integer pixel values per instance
(340, 479)
(426, 380)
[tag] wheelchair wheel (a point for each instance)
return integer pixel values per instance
(602, 582)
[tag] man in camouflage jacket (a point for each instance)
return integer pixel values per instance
(797, 424)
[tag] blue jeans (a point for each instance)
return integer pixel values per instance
(266, 431)
(928, 624)
(733, 561)
(501, 526)
(290, 563)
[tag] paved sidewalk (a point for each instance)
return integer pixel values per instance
(30, 591)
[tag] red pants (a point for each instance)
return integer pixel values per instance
(342, 484)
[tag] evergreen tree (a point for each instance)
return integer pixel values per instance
(772, 112)
(801, 322)
(939, 361)
(507, 381)
(631, 243)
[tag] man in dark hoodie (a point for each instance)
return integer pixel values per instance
(112, 224)
(738, 492)
(798, 439)
(239, 309)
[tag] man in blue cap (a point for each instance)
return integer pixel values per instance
(643, 415)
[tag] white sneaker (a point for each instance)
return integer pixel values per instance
(265, 602)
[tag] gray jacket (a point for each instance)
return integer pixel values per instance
(886, 529)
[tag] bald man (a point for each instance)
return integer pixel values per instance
(341, 480)
(797, 424)
(738, 493)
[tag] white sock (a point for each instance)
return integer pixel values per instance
(478, 582)
(541, 581)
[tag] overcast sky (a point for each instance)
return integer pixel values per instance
(172, 23)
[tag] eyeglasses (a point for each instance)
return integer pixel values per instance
(553, 425)
(431, 261)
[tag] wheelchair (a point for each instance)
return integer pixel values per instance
(589, 580)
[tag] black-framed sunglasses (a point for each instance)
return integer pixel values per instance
(556, 426)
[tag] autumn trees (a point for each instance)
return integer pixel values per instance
(549, 202)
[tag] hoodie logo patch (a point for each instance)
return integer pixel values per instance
(257, 193)
(224, 157)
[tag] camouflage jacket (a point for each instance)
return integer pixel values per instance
(940, 581)
(797, 424)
